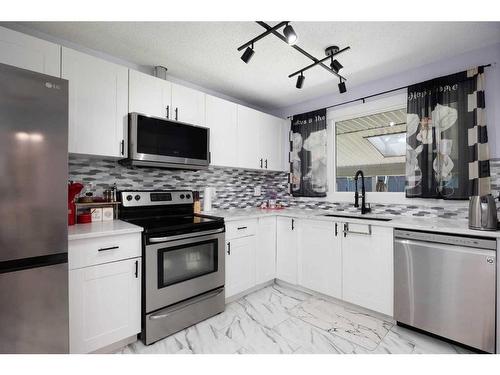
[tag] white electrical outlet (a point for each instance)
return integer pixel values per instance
(257, 192)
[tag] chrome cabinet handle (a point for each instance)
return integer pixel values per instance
(293, 224)
(240, 228)
(261, 160)
(168, 111)
(346, 229)
(336, 229)
(229, 248)
(108, 248)
(266, 163)
(136, 269)
(176, 114)
(122, 147)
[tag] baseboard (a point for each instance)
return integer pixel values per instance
(113, 348)
(248, 291)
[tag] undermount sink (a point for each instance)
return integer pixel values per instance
(359, 217)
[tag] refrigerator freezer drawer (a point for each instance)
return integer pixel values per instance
(34, 310)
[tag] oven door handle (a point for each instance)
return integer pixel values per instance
(183, 306)
(158, 239)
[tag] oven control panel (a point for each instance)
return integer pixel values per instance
(155, 198)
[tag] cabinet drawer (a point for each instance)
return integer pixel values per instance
(92, 251)
(241, 228)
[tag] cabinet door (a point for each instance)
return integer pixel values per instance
(249, 149)
(98, 104)
(188, 105)
(104, 304)
(270, 142)
(265, 252)
(286, 249)
(149, 95)
(367, 266)
(320, 257)
(240, 265)
(27, 52)
(222, 119)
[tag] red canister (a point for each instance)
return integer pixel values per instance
(84, 218)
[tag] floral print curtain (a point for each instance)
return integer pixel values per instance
(438, 122)
(308, 175)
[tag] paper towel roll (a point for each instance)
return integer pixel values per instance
(208, 195)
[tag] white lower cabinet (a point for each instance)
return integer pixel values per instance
(240, 265)
(286, 249)
(320, 257)
(104, 304)
(368, 267)
(265, 251)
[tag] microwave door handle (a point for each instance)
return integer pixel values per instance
(158, 239)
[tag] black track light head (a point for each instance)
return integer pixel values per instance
(247, 55)
(290, 35)
(300, 81)
(342, 88)
(336, 66)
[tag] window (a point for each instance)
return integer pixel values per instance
(375, 144)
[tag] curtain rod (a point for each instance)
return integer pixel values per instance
(381, 93)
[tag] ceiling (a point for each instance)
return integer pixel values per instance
(353, 149)
(204, 53)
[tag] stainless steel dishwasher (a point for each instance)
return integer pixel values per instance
(445, 285)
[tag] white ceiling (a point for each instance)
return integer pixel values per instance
(205, 54)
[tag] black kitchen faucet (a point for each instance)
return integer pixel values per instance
(364, 209)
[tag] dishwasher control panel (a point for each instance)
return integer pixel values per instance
(457, 240)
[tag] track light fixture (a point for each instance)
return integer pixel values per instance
(247, 55)
(335, 65)
(300, 81)
(290, 35)
(342, 88)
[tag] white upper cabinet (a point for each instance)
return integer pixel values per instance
(320, 257)
(222, 119)
(248, 138)
(188, 105)
(270, 141)
(98, 104)
(367, 267)
(259, 140)
(27, 52)
(149, 95)
(286, 249)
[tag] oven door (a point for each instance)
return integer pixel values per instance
(181, 268)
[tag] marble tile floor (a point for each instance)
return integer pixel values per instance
(279, 319)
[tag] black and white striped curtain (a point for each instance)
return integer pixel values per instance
(447, 145)
(479, 152)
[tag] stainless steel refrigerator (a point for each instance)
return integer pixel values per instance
(33, 212)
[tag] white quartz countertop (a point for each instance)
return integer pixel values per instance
(432, 224)
(100, 229)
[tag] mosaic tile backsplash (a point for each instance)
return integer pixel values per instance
(235, 187)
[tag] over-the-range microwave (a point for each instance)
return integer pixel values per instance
(160, 142)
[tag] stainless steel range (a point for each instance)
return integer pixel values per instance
(183, 261)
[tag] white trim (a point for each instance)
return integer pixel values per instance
(365, 109)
